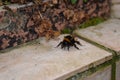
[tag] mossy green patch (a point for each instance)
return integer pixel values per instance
(67, 31)
(92, 22)
(73, 1)
(85, 1)
(88, 23)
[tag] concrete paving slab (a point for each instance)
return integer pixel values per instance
(115, 11)
(107, 34)
(45, 62)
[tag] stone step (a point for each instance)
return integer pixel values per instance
(106, 34)
(45, 62)
(115, 1)
(115, 11)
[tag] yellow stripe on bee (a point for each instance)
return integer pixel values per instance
(66, 39)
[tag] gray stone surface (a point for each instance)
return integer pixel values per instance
(118, 71)
(45, 62)
(115, 1)
(104, 74)
(115, 11)
(106, 33)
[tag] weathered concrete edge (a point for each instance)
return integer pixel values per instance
(89, 69)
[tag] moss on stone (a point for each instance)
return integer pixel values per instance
(92, 22)
(88, 23)
(73, 1)
(67, 31)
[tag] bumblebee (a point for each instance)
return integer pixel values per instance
(68, 42)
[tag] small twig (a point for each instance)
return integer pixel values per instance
(37, 3)
(40, 14)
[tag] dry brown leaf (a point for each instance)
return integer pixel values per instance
(68, 13)
(55, 1)
(5, 43)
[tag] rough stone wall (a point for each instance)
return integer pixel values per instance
(47, 19)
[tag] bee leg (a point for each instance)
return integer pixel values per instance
(76, 46)
(68, 47)
(62, 46)
(59, 44)
(78, 43)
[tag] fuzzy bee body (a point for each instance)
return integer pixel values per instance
(68, 42)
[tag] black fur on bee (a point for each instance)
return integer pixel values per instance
(68, 42)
